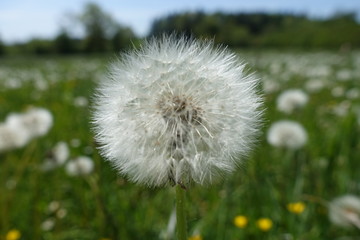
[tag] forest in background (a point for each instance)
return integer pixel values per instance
(102, 33)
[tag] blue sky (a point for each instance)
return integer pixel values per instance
(24, 19)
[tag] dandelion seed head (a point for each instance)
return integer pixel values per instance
(35, 121)
(38, 121)
(344, 211)
(61, 152)
(19, 128)
(12, 136)
(79, 166)
(48, 224)
(53, 206)
(81, 101)
(177, 110)
(61, 213)
(288, 134)
(291, 99)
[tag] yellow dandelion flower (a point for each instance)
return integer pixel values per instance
(240, 221)
(296, 207)
(13, 234)
(195, 237)
(264, 224)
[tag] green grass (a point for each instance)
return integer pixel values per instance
(106, 205)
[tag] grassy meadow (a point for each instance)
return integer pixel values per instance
(52, 205)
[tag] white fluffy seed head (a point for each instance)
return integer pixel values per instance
(38, 121)
(12, 136)
(19, 128)
(287, 134)
(344, 211)
(79, 166)
(291, 99)
(35, 121)
(176, 111)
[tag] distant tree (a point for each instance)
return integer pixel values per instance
(264, 29)
(99, 26)
(63, 44)
(2, 48)
(122, 38)
(39, 46)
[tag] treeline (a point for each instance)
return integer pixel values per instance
(264, 29)
(101, 33)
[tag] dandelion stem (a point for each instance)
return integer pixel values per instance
(180, 213)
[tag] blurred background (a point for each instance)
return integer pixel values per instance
(49, 27)
(302, 181)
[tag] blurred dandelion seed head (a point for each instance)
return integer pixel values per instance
(292, 99)
(48, 224)
(176, 111)
(20, 128)
(344, 211)
(12, 137)
(79, 166)
(288, 134)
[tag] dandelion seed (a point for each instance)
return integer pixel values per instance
(53, 206)
(270, 86)
(176, 111)
(48, 224)
(241, 221)
(80, 101)
(61, 152)
(288, 134)
(75, 142)
(296, 207)
(353, 93)
(344, 211)
(315, 85)
(79, 166)
(291, 100)
(342, 109)
(338, 91)
(61, 213)
(344, 75)
(264, 224)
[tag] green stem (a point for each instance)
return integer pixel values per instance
(180, 213)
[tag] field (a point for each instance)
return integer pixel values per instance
(53, 203)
